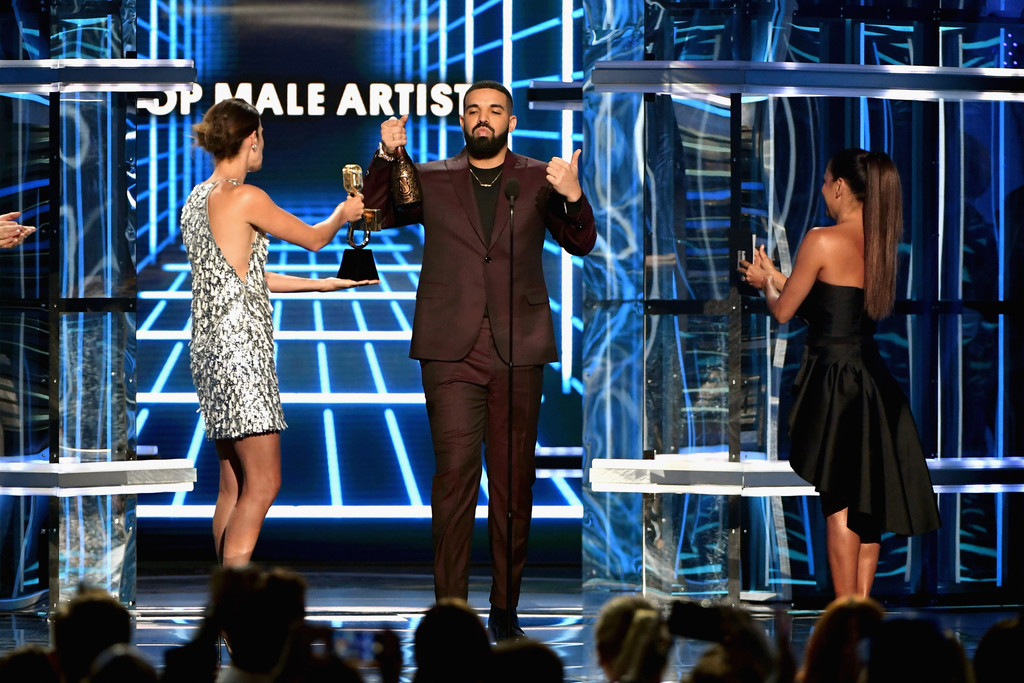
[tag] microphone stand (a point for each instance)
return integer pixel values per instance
(511, 192)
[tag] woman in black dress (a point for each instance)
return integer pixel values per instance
(851, 430)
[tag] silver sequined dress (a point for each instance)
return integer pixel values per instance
(232, 345)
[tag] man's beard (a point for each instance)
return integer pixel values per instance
(483, 147)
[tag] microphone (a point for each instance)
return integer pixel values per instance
(512, 190)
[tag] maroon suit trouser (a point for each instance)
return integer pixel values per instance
(467, 405)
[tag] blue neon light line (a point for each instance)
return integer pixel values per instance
(424, 41)
(108, 209)
(103, 424)
(154, 17)
(298, 398)
(553, 248)
(78, 284)
(525, 82)
(1000, 497)
(484, 7)
(442, 44)
(160, 306)
(1001, 242)
(153, 178)
(108, 505)
(384, 285)
(1001, 343)
(333, 468)
(140, 421)
(282, 258)
(378, 376)
(483, 482)
(407, 23)
(172, 164)
(333, 247)
(570, 496)
(179, 281)
(192, 455)
(404, 262)
(291, 335)
(537, 134)
(806, 518)
(277, 314)
(23, 187)
(403, 458)
(558, 308)
(38, 99)
(537, 28)
(331, 268)
(81, 538)
(168, 368)
(487, 47)
(357, 312)
(400, 317)
(186, 18)
(442, 70)
(318, 315)
(325, 376)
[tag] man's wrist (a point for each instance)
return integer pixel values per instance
(572, 209)
(382, 152)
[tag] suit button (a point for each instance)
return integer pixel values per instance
(487, 259)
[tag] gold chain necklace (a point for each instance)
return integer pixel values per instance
(482, 183)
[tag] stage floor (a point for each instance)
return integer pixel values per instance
(170, 604)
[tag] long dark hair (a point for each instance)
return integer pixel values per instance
(874, 180)
(225, 126)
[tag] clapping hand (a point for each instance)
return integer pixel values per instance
(13, 234)
(757, 271)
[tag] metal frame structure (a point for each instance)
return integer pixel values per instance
(729, 84)
(64, 476)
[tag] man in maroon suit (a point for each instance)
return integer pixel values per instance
(461, 327)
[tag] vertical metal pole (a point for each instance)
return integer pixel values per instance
(925, 322)
(53, 308)
(737, 238)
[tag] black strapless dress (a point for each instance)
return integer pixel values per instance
(852, 433)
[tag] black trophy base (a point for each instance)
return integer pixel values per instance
(357, 264)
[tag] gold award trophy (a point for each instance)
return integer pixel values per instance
(357, 262)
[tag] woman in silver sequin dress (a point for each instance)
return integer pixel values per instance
(224, 225)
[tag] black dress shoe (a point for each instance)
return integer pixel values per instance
(498, 625)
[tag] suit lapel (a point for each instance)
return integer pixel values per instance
(458, 172)
(511, 170)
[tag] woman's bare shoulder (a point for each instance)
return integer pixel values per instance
(243, 197)
(818, 239)
(832, 237)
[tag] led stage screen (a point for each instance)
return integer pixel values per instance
(324, 75)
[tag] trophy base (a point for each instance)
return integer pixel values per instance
(357, 264)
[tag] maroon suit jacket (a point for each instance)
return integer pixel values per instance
(462, 276)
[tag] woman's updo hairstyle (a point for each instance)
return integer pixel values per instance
(225, 127)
